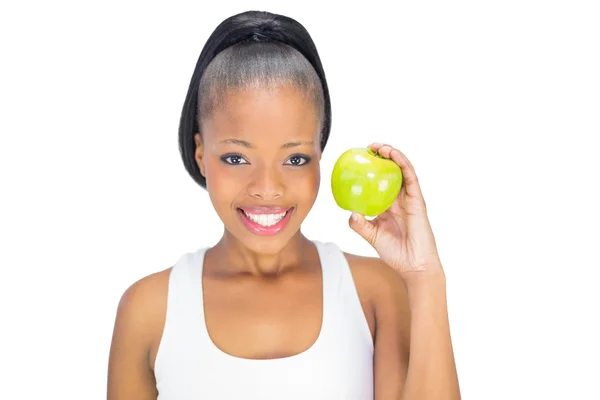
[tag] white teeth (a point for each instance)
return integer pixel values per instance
(265, 219)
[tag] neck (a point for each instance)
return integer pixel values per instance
(235, 257)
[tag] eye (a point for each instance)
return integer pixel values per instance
(233, 159)
(297, 160)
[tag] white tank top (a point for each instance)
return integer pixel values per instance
(339, 365)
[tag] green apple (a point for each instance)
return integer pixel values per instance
(365, 182)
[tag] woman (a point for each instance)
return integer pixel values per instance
(267, 313)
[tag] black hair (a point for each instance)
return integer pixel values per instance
(265, 41)
(257, 65)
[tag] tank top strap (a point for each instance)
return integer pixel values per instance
(186, 279)
(342, 304)
(184, 317)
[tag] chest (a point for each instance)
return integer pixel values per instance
(302, 338)
(260, 319)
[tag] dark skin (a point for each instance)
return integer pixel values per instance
(262, 295)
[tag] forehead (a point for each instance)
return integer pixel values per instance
(282, 112)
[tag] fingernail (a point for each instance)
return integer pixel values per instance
(354, 216)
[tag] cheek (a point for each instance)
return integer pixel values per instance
(224, 175)
(306, 185)
(221, 183)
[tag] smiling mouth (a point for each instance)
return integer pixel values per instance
(266, 219)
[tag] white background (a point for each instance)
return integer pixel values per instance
(497, 104)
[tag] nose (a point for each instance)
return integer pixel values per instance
(266, 183)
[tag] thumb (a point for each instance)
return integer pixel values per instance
(361, 225)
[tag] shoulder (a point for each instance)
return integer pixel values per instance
(138, 326)
(144, 295)
(142, 308)
(383, 288)
(377, 279)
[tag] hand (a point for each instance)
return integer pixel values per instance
(402, 235)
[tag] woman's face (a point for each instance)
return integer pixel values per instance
(260, 156)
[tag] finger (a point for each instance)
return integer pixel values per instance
(382, 149)
(365, 228)
(385, 150)
(375, 146)
(411, 181)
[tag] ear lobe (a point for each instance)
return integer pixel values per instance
(199, 154)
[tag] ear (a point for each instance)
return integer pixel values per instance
(199, 155)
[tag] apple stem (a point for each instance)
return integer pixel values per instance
(373, 153)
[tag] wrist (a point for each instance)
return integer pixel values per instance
(427, 297)
(425, 280)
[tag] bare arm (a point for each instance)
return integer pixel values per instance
(384, 291)
(413, 353)
(130, 376)
(392, 337)
(431, 370)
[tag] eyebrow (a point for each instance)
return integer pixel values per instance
(287, 145)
